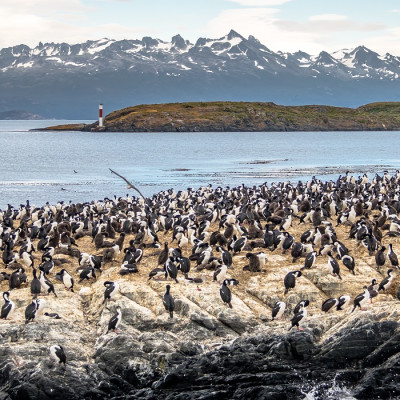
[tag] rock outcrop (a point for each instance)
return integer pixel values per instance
(207, 350)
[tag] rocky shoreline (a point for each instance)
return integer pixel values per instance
(207, 350)
(264, 363)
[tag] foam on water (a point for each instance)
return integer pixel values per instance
(328, 391)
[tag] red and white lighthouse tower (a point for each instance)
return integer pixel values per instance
(100, 115)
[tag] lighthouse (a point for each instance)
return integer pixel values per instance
(100, 115)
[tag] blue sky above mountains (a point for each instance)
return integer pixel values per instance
(287, 25)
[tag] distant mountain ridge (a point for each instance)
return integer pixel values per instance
(62, 80)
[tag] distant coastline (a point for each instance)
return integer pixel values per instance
(226, 116)
(19, 115)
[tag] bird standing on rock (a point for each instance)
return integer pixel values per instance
(8, 306)
(111, 290)
(361, 299)
(115, 320)
(297, 251)
(30, 311)
(47, 286)
(393, 257)
(254, 263)
(57, 354)
(334, 265)
(169, 302)
(387, 282)
(87, 273)
(329, 304)
(163, 256)
(220, 274)
(301, 304)
(232, 282)
(66, 279)
(373, 289)
(343, 302)
(36, 287)
(128, 269)
(17, 278)
(110, 253)
(278, 310)
(239, 244)
(299, 316)
(47, 266)
(287, 242)
(171, 269)
(40, 305)
(225, 256)
(310, 260)
(290, 280)
(380, 258)
(348, 262)
(225, 294)
(157, 272)
(184, 265)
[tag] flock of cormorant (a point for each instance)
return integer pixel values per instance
(210, 227)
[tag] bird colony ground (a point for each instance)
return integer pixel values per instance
(141, 357)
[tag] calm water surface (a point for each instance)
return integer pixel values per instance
(40, 165)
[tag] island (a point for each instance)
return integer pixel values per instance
(227, 116)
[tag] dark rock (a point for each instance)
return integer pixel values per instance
(26, 391)
(190, 348)
(94, 394)
(355, 341)
(104, 387)
(383, 352)
(261, 392)
(129, 375)
(117, 353)
(299, 345)
(380, 383)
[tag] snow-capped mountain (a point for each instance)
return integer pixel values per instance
(68, 80)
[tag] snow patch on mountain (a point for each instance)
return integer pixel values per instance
(228, 54)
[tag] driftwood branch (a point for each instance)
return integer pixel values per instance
(130, 185)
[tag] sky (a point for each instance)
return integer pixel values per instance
(286, 25)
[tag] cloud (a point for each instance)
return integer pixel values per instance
(24, 21)
(328, 17)
(54, 21)
(388, 42)
(261, 23)
(244, 20)
(320, 32)
(395, 11)
(260, 3)
(45, 7)
(328, 26)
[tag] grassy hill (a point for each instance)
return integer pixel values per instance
(247, 117)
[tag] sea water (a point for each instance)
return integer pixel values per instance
(74, 166)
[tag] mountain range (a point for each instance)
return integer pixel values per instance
(59, 80)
